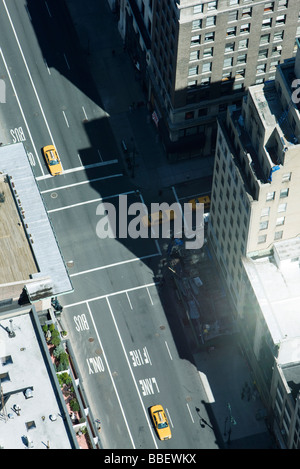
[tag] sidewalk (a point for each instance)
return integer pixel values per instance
(119, 87)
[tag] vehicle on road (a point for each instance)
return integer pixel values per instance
(160, 421)
(52, 160)
(158, 217)
(201, 200)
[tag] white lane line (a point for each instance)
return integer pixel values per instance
(29, 74)
(20, 107)
(108, 266)
(88, 181)
(131, 372)
(100, 155)
(169, 418)
(129, 300)
(92, 201)
(65, 57)
(47, 66)
(120, 292)
(168, 350)
(48, 9)
(79, 159)
(85, 115)
(190, 412)
(208, 391)
(66, 118)
(111, 377)
(80, 168)
(149, 294)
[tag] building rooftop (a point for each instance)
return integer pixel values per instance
(43, 263)
(27, 383)
(276, 283)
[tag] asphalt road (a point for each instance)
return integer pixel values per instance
(115, 320)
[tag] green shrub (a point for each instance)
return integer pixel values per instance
(51, 327)
(55, 338)
(74, 405)
(58, 350)
(45, 328)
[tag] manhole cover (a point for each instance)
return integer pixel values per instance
(70, 263)
(98, 351)
(162, 327)
(54, 195)
(91, 339)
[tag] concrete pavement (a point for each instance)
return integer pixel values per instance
(120, 89)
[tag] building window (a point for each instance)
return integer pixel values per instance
(281, 208)
(197, 9)
(210, 21)
(209, 37)
(241, 59)
(206, 67)
(264, 39)
(189, 115)
(228, 62)
(278, 36)
(270, 196)
(202, 112)
(208, 52)
(232, 16)
(261, 68)
(212, 5)
(229, 47)
(280, 221)
(269, 7)
(286, 177)
(247, 12)
(263, 54)
(245, 28)
(262, 239)
(263, 225)
(280, 20)
(231, 32)
(226, 76)
(282, 3)
(193, 71)
(195, 40)
(196, 24)
(278, 235)
(266, 23)
(265, 212)
(194, 55)
(205, 81)
(243, 44)
(284, 193)
(240, 74)
(192, 84)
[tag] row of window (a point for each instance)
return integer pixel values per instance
(233, 16)
(232, 32)
(213, 5)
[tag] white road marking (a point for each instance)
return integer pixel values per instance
(111, 377)
(19, 104)
(107, 295)
(85, 115)
(48, 9)
(168, 350)
(29, 74)
(190, 412)
(79, 168)
(88, 181)
(108, 266)
(65, 57)
(150, 295)
(66, 118)
(47, 66)
(131, 372)
(129, 300)
(100, 155)
(92, 201)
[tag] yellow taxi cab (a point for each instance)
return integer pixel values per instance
(200, 200)
(158, 217)
(160, 421)
(52, 160)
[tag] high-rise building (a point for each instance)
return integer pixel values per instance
(254, 231)
(196, 57)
